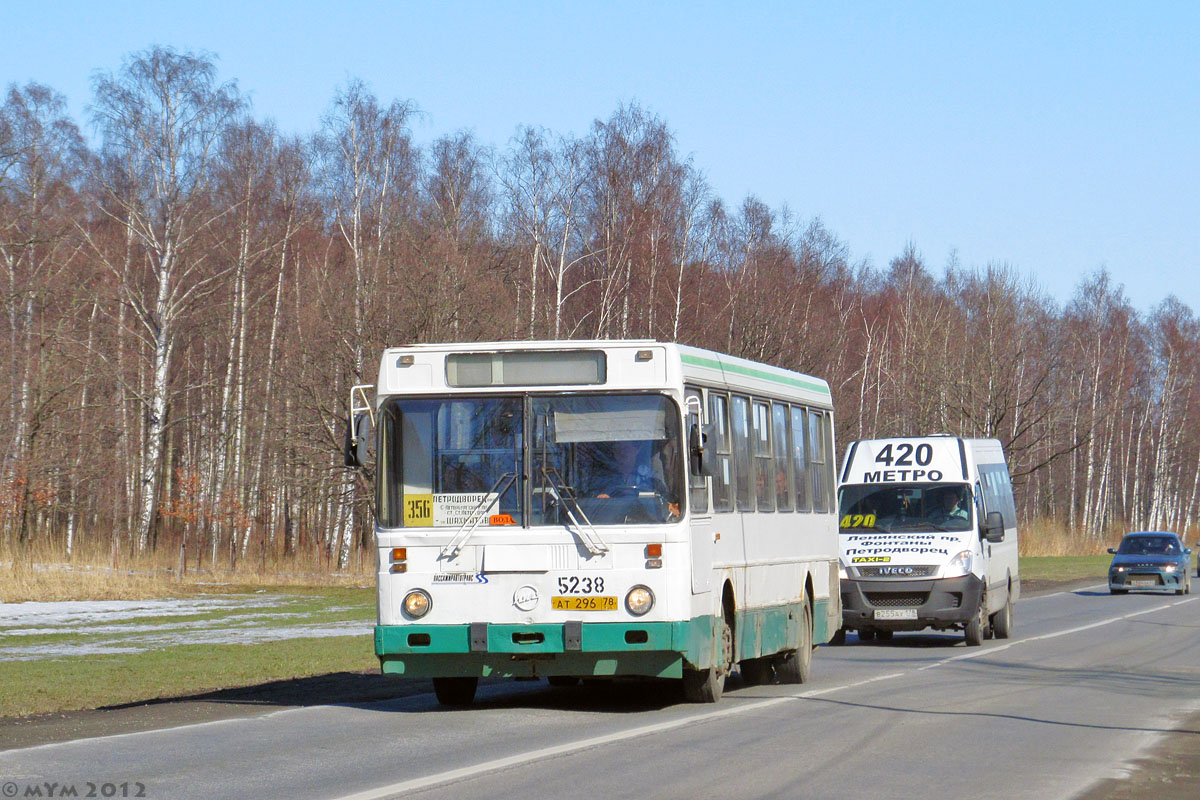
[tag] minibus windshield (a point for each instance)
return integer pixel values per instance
(905, 507)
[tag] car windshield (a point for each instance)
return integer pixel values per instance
(1149, 546)
(905, 507)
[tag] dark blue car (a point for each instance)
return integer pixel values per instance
(1150, 560)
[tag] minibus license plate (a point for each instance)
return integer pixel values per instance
(1143, 582)
(573, 603)
(895, 613)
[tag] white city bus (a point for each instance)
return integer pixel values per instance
(548, 509)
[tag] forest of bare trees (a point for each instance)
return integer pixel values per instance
(189, 292)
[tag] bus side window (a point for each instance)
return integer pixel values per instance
(783, 472)
(718, 411)
(800, 459)
(697, 484)
(816, 461)
(764, 474)
(740, 407)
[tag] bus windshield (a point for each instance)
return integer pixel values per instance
(905, 507)
(610, 459)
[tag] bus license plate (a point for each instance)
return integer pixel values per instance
(895, 613)
(560, 603)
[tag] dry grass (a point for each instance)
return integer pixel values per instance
(1050, 537)
(43, 574)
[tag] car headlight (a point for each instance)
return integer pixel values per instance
(639, 600)
(417, 603)
(1169, 568)
(1118, 569)
(958, 566)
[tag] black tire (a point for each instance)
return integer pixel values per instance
(883, 635)
(707, 685)
(1117, 591)
(563, 681)
(796, 666)
(977, 628)
(839, 637)
(1002, 620)
(756, 671)
(866, 634)
(455, 691)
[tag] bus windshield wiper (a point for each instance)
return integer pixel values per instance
(455, 545)
(584, 530)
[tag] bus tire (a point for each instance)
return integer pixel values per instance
(455, 691)
(1002, 620)
(796, 666)
(707, 685)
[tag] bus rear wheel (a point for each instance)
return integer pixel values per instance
(796, 666)
(455, 691)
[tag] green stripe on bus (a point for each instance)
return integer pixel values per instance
(751, 372)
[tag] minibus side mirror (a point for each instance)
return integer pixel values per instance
(1112, 551)
(358, 435)
(993, 527)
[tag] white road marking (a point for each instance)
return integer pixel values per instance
(474, 770)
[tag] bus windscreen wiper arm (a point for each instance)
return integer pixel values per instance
(455, 545)
(585, 530)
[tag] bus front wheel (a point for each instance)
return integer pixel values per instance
(706, 685)
(455, 691)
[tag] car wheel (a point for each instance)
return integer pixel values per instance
(1117, 591)
(884, 636)
(839, 637)
(865, 634)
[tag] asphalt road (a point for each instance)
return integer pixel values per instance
(1087, 684)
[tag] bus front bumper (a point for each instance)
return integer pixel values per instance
(580, 649)
(910, 605)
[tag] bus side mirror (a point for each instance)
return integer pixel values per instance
(695, 449)
(993, 527)
(358, 435)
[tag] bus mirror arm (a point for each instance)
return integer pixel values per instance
(993, 527)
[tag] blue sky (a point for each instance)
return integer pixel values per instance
(1056, 138)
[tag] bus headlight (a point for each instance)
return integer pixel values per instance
(958, 566)
(417, 603)
(639, 600)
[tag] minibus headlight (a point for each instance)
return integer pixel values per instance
(1169, 568)
(959, 565)
(417, 603)
(639, 600)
